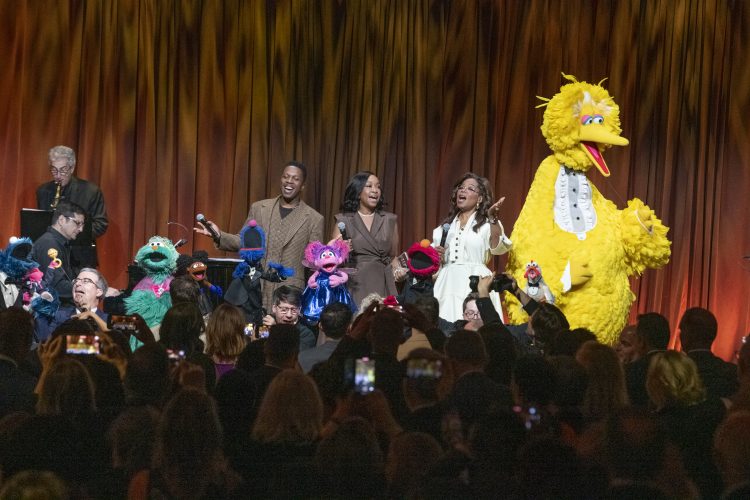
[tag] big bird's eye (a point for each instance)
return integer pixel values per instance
(587, 119)
(598, 119)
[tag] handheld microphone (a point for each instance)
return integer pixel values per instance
(205, 223)
(446, 228)
(342, 230)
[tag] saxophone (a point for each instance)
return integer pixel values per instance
(54, 203)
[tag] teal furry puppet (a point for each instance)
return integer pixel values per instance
(150, 297)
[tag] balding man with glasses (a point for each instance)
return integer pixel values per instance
(89, 287)
(65, 186)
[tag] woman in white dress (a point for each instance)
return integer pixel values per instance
(475, 234)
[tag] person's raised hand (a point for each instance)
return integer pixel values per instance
(269, 320)
(483, 285)
(202, 230)
(494, 209)
(50, 351)
(142, 331)
(110, 352)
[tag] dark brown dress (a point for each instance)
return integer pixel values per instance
(372, 253)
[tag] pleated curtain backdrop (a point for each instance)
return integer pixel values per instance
(186, 106)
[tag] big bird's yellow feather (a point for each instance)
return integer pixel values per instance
(585, 245)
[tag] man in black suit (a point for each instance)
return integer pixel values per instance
(88, 289)
(698, 330)
(52, 249)
(16, 386)
(334, 323)
(474, 393)
(653, 330)
(66, 186)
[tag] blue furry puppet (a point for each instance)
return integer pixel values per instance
(21, 276)
(150, 297)
(244, 291)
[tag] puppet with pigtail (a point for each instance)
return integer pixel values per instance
(150, 297)
(423, 263)
(245, 289)
(327, 284)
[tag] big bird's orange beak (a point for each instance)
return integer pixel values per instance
(592, 137)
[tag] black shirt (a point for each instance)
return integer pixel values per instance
(90, 198)
(61, 278)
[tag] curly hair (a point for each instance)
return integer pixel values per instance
(353, 192)
(673, 380)
(485, 191)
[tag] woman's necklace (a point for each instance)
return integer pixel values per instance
(461, 222)
(365, 215)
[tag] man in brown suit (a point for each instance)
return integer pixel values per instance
(290, 224)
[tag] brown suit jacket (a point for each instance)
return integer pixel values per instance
(286, 239)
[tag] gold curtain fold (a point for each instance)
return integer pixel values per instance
(183, 106)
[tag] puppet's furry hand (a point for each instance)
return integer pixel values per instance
(338, 279)
(311, 282)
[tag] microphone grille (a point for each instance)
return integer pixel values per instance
(341, 226)
(200, 217)
(446, 227)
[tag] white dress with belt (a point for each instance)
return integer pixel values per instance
(466, 253)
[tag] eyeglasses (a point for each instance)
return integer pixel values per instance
(60, 171)
(471, 189)
(287, 310)
(469, 314)
(78, 223)
(85, 281)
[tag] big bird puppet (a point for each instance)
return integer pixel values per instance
(587, 246)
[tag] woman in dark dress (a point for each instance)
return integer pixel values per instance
(688, 416)
(373, 237)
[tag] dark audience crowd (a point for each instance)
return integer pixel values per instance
(390, 403)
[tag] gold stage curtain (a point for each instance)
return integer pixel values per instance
(183, 106)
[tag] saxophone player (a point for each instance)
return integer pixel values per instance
(66, 186)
